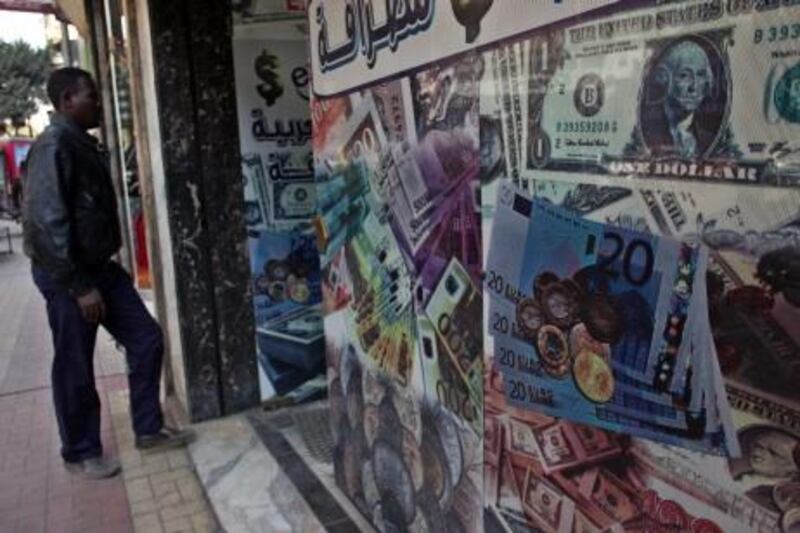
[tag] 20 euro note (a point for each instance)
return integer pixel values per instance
(513, 276)
(632, 291)
(634, 408)
(604, 319)
(753, 236)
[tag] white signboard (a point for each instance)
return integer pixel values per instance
(358, 42)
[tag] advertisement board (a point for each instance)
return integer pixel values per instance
(574, 225)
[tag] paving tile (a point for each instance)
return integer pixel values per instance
(145, 469)
(138, 490)
(190, 489)
(147, 523)
(162, 490)
(172, 475)
(86, 522)
(178, 525)
(185, 509)
(60, 507)
(143, 507)
(178, 459)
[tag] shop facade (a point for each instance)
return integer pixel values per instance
(323, 189)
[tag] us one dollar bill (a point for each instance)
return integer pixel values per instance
(706, 91)
(293, 200)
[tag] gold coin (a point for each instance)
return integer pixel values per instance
(552, 346)
(581, 340)
(593, 377)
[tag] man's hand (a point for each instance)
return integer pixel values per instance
(93, 308)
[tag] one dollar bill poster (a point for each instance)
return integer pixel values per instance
(702, 91)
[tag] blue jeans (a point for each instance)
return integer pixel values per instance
(76, 401)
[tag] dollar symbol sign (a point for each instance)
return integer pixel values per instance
(266, 65)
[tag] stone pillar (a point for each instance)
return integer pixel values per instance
(195, 88)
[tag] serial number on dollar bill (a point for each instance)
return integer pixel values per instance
(519, 391)
(586, 126)
(771, 34)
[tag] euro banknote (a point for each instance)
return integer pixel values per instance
(604, 325)
(754, 240)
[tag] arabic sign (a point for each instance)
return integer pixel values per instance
(357, 42)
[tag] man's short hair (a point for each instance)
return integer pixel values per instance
(64, 79)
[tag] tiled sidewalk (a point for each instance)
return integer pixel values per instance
(157, 492)
(36, 492)
(163, 489)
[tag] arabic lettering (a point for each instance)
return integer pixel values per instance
(281, 168)
(295, 132)
(368, 35)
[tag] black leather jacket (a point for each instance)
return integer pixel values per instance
(69, 212)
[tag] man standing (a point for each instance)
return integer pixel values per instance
(71, 232)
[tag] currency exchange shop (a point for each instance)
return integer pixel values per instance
(542, 257)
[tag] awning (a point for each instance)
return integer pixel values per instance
(72, 11)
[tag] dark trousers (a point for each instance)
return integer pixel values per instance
(127, 319)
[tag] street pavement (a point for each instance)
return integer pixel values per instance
(156, 493)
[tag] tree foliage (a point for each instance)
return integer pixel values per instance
(23, 75)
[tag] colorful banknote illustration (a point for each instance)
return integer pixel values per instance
(616, 311)
(619, 124)
(286, 273)
(453, 309)
(549, 474)
(606, 96)
(752, 235)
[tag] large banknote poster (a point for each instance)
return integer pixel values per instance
(273, 88)
(672, 120)
(671, 126)
(398, 225)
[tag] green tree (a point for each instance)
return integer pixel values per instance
(23, 75)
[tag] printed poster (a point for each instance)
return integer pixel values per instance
(272, 82)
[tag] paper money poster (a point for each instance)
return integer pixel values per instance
(673, 118)
(397, 168)
(275, 135)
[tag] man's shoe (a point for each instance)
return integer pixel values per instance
(95, 467)
(165, 439)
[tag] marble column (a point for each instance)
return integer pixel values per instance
(191, 42)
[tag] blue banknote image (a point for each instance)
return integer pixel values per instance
(603, 328)
(286, 273)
